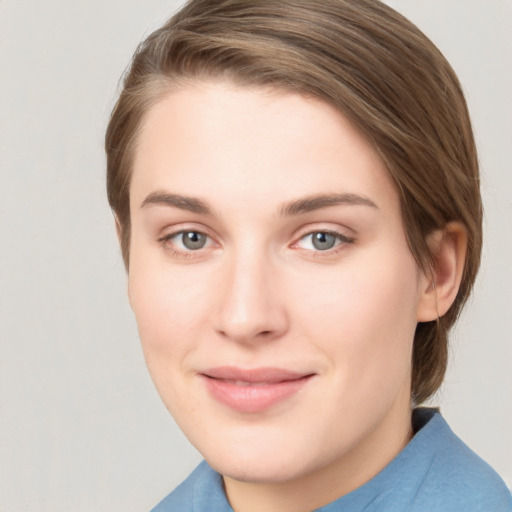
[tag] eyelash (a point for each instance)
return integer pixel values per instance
(187, 254)
(342, 241)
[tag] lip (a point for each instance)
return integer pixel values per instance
(253, 390)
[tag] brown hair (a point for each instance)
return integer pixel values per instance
(367, 61)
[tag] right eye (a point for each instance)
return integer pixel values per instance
(186, 241)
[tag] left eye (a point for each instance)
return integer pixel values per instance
(321, 241)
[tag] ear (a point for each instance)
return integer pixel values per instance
(440, 286)
(119, 232)
(119, 229)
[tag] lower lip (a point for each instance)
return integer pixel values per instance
(253, 398)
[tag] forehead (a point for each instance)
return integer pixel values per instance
(252, 142)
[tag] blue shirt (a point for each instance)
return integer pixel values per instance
(435, 472)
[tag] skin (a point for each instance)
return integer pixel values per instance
(260, 294)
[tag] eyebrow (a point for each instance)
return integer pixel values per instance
(317, 202)
(295, 207)
(190, 204)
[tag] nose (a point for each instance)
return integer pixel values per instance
(250, 308)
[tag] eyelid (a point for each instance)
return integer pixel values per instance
(172, 230)
(325, 227)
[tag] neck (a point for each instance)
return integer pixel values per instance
(326, 484)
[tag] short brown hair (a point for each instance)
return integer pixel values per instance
(364, 59)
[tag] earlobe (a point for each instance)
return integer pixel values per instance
(119, 232)
(128, 293)
(119, 229)
(439, 288)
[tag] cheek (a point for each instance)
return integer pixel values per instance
(166, 308)
(168, 317)
(364, 315)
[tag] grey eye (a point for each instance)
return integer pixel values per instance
(193, 240)
(323, 241)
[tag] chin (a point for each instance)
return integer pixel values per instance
(269, 470)
(265, 459)
(250, 465)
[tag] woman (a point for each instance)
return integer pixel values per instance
(295, 186)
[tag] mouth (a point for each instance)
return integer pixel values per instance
(253, 390)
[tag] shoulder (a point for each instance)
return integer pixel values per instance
(181, 499)
(456, 478)
(202, 491)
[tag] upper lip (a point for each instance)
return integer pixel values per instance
(267, 375)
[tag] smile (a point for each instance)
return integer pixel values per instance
(255, 390)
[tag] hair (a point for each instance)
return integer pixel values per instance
(368, 62)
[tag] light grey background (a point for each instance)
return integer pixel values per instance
(81, 427)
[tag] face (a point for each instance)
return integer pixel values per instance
(274, 291)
